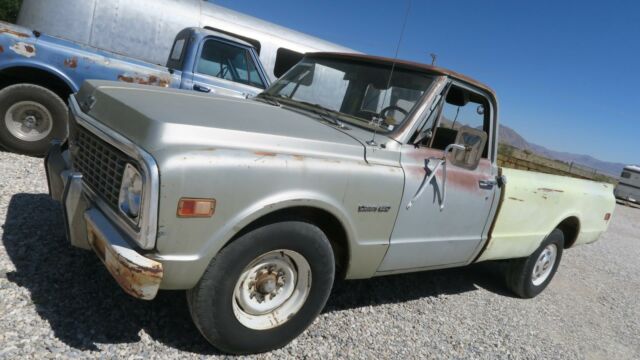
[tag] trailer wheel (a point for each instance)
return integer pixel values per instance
(31, 116)
(264, 289)
(527, 277)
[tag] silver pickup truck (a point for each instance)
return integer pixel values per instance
(349, 166)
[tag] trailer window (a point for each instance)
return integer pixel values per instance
(626, 175)
(285, 59)
(226, 61)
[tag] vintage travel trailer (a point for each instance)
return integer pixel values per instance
(629, 186)
(145, 29)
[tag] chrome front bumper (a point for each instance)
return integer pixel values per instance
(88, 228)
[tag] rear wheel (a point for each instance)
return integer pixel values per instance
(264, 289)
(31, 116)
(528, 277)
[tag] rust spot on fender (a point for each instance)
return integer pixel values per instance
(298, 157)
(145, 80)
(265, 153)
(4, 30)
(1, 49)
(71, 62)
(24, 49)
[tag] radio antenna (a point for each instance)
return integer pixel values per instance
(372, 142)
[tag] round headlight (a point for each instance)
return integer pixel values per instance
(131, 192)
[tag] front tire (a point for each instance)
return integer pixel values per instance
(264, 289)
(31, 116)
(528, 277)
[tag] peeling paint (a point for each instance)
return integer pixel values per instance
(145, 80)
(4, 30)
(264, 153)
(550, 190)
(71, 62)
(137, 276)
(1, 49)
(516, 199)
(24, 49)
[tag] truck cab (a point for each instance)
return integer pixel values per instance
(208, 61)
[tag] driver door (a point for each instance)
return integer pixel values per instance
(426, 235)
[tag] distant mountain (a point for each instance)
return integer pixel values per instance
(511, 137)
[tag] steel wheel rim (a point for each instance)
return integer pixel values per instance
(271, 289)
(28, 121)
(544, 265)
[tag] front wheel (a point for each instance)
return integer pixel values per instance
(264, 289)
(31, 116)
(527, 277)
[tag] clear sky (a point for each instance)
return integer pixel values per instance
(567, 73)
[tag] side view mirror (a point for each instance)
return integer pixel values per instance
(472, 143)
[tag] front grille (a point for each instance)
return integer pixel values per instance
(100, 164)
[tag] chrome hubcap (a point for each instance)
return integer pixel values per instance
(28, 121)
(271, 289)
(544, 265)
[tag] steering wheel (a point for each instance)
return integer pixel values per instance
(383, 112)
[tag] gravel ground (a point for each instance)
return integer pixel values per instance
(57, 301)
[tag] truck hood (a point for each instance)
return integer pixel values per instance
(156, 119)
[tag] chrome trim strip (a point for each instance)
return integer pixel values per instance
(146, 237)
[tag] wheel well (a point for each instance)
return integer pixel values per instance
(327, 222)
(570, 227)
(18, 75)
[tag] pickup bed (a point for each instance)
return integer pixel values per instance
(37, 71)
(349, 166)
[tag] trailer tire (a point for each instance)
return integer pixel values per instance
(31, 116)
(264, 288)
(528, 277)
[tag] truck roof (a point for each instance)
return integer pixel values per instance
(219, 35)
(632, 168)
(406, 65)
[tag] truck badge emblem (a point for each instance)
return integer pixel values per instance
(372, 209)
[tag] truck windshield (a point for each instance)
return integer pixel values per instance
(229, 62)
(357, 92)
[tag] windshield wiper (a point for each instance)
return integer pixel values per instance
(325, 113)
(270, 99)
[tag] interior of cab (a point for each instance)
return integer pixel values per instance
(461, 108)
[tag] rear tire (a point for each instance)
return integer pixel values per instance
(264, 289)
(528, 277)
(31, 116)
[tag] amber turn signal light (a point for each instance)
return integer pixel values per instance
(195, 208)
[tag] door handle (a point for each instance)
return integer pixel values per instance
(487, 184)
(201, 88)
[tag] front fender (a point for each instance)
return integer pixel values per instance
(248, 186)
(8, 64)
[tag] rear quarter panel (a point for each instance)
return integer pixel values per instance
(534, 204)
